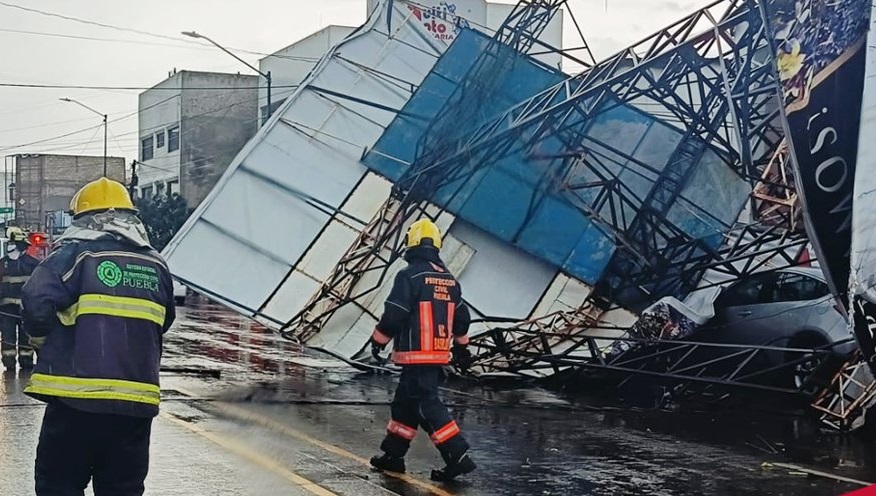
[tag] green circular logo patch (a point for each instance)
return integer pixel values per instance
(109, 273)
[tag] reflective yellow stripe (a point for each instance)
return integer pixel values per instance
(10, 301)
(95, 389)
(115, 306)
(14, 279)
(84, 381)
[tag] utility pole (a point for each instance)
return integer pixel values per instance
(105, 129)
(70, 100)
(267, 76)
(132, 185)
(269, 110)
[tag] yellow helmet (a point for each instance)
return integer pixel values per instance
(423, 230)
(102, 194)
(16, 235)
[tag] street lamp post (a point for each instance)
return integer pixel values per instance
(104, 127)
(267, 75)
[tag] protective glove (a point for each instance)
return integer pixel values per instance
(376, 348)
(462, 358)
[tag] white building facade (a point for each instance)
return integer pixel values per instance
(190, 127)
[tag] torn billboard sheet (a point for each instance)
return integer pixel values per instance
(670, 319)
(821, 54)
(283, 213)
(863, 281)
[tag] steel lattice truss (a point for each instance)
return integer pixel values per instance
(371, 252)
(561, 335)
(681, 364)
(775, 196)
(523, 27)
(711, 76)
(851, 390)
(518, 34)
(376, 248)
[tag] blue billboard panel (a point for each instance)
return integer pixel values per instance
(529, 201)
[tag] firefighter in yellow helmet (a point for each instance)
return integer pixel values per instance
(96, 310)
(17, 266)
(427, 321)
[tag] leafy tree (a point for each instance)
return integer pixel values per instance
(163, 215)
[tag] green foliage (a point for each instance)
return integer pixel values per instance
(163, 215)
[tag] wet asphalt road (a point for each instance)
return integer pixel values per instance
(280, 421)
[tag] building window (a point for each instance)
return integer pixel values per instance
(147, 192)
(146, 151)
(172, 188)
(173, 139)
(159, 139)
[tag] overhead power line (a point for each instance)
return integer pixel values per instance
(177, 39)
(132, 88)
(92, 23)
(94, 38)
(136, 133)
(194, 46)
(53, 138)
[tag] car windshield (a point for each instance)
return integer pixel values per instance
(799, 287)
(773, 288)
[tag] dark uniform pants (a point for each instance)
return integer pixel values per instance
(13, 335)
(76, 446)
(416, 404)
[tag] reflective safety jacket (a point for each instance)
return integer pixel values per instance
(14, 274)
(424, 314)
(103, 307)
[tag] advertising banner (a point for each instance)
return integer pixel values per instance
(821, 54)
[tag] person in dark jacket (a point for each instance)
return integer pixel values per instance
(426, 318)
(96, 310)
(16, 270)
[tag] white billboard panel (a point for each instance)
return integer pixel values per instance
(281, 192)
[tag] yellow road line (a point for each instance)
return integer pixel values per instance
(249, 416)
(253, 456)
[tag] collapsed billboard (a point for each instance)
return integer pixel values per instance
(297, 199)
(280, 217)
(821, 52)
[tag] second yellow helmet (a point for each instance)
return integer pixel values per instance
(424, 230)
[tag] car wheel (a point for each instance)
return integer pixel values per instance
(804, 370)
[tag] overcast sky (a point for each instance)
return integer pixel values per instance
(53, 52)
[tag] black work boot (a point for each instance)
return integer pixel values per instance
(9, 362)
(461, 466)
(388, 463)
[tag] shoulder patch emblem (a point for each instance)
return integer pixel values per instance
(109, 273)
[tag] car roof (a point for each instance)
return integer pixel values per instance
(814, 272)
